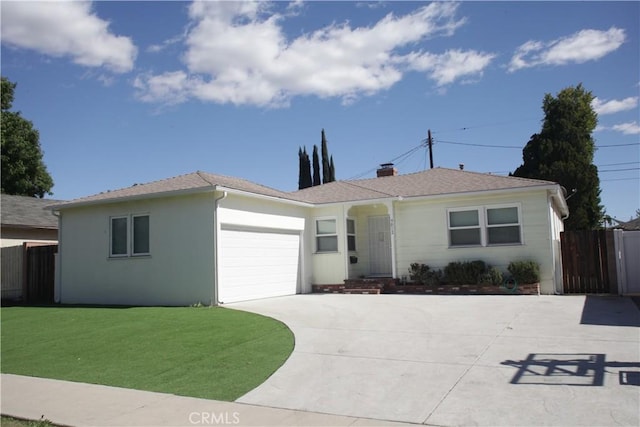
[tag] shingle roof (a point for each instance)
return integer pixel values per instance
(431, 182)
(21, 211)
(634, 224)
(196, 181)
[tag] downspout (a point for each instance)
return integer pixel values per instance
(554, 249)
(216, 204)
(58, 263)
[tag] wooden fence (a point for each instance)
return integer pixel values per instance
(588, 262)
(40, 273)
(28, 272)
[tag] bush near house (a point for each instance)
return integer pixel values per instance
(525, 271)
(422, 273)
(474, 273)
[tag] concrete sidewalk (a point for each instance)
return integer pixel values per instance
(77, 404)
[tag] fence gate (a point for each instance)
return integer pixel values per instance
(588, 262)
(40, 273)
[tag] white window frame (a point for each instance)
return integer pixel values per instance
(324, 235)
(129, 236)
(354, 234)
(133, 242)
(483, 225)
(119, 255)
(518, 224)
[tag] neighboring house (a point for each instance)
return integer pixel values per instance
(25, 219)
(631, 225)
(209, 238)
(22, 220)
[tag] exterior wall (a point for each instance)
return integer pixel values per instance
(422, 234)
(328, 268)
(12, 236)
(242, 211)
(179, 270)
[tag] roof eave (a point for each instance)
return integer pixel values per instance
(509, 190)
(264, 196)
(145, 196)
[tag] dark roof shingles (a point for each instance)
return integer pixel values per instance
(22, 211)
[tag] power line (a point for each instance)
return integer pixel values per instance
(619, 164)
(477, 145)
(618, 145)
(621, 179)
(619, 170)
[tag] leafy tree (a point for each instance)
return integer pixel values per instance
(23, 171)
(316, 167)
(563, 152)
(304, 179)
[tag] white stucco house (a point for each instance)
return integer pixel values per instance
(208, 238)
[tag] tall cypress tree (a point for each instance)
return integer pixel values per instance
(326, 172)
(316, 167)
(563, 152)
(332, 170)
(304, 175)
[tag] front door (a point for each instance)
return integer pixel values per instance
(379, 246)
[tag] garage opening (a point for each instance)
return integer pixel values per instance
(257, 263)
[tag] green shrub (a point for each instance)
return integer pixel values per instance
(422, 273)
(525, 271)
(465, 273)
(492, 276)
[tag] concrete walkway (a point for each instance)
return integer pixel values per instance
(459, 360)
(75, 404)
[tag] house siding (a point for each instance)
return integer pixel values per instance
(179, 270)
(330, 267)
(422, 234)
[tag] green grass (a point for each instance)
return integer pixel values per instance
(212, 353)
(15, 422)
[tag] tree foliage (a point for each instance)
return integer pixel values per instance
(563, 152)
(326, 172)
(320, 176)
(304, 180)
(316, 167)
(23, 170)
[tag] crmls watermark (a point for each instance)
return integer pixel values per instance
(214, 418)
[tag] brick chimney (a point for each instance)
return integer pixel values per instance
(387, 169)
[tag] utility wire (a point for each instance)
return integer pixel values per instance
(619, 170)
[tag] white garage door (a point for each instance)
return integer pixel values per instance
(257, 264)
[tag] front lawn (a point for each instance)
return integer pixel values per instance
(212, 353)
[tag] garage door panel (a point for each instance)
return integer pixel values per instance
(257, 264)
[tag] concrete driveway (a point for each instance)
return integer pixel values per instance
(458, 360)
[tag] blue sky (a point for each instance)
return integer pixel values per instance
(131, 92)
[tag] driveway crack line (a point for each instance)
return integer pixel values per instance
(474, 363)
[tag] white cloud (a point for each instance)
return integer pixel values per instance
(583, 46)
(603, 107)
(629, 128)
(237, 52)
(66, 29)
(450, 66)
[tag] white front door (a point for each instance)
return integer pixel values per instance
(379, 246)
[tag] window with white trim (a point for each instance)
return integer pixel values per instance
(129, 235)
(485, 226)
(503, 226)
(351, 235)
(326, 235)
(464, 228)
